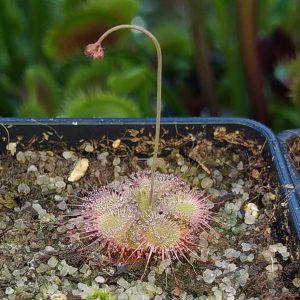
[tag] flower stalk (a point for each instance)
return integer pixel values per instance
(96, 51)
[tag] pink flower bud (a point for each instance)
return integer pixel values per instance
(94, 50)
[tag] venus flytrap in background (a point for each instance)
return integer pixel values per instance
(146, 213)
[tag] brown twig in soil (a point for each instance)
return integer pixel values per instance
(7, 132)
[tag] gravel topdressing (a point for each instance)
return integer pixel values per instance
(249, 253)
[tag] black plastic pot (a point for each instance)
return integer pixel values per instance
(71, 131)
(286, 139)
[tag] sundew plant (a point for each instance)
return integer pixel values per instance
(146, 213)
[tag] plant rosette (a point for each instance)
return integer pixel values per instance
(121, 217)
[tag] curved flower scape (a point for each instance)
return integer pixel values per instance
(121, 218)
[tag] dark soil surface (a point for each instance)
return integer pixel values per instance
(250, 252)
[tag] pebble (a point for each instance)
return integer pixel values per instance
(116, 161)
(52, 289)
(49, 248)
(242, 277)
(60, 184)
(201, 175)
(240, 166)
(12, 147)
(79, 170)
(217, 175)
(231, 267)
(23, 188)
(100, 279)
(67, 269)
(89, 148)
(250, 257)
(84, 269)
(231, 207)
(249, 219)
(42, 179)
(252, 209)
(21, 157)
(278, 247)
(207, 183)
(231, 253)
(160, 162)
(32, 168)
(123, 296)
(37, 207)
(285, 255)
(268, 255)
(246, 247)
(20, 283)
(82, 286)
(59, 296)
(42, 268)
(103, 158)
(9, 291)
(245, 196)
(268, 199)
(184, 168)
(151, 277)
(251, 213)
(2, 225)
(117, 169)
(180, 161)
(19, 224)
(272, 268)
(58, 198)
(52, 262)
(116, 143)
(209, 276)
(47, 218)
(296, 282)
(255, 174)
(196, 181)
(123, 283)
(62, 205)
(67, 154)
(61, 229)
(70, 226)
(218, 294)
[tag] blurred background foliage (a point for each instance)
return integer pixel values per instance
(221, 57)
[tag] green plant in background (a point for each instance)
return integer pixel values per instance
(72, 33)
(287, 114)
(236, 32)
(289, 73)
(41, 72)
(98, 103)
(233, 85)
(41, 95)
(43, 76)
(295, 85)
